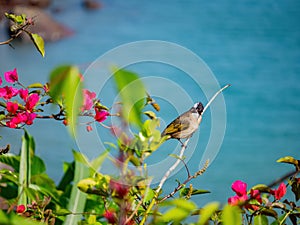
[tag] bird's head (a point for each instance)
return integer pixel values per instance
(198, 107)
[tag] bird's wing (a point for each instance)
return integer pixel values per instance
(175, 126)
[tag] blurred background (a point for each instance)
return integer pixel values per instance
(253, 45)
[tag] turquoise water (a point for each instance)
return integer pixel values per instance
(253, 45)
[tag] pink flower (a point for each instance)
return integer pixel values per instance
(234, 200)
(12, 107)
(110, 216)
(8, 92)
(100, 115)
(239, 187)
(279, 192)
(88, 99)
(23, 93)
(21, 208)
(31, 102)
(29, 118)
(118, 188)
(11, 76)
(255, 195)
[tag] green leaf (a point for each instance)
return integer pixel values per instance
(25, 167)
(78, 156)
(3, 218)
(96, 163)
(67, 177)
(78, 198)
(261, 188)
(181, 210)
(289, 160)
(19, 19)
(207, 211)
(181, 203)
(175, 214)
(185, 191)
(231, 215)
(35, 85)
(269, 212)
(150, 114)
(11, 160)
(66, 88)
(38, 42)
(62, 212)
(37, 166)
(260, 220)
(132, 94)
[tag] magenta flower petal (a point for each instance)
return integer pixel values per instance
(11, 76)
(23, 94)
(280, 191)
(8, 92)
(239, 187)
(12, 107)
(88, 99)
(100, 115)
(32, 100)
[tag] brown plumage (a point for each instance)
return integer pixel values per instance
(184, 125)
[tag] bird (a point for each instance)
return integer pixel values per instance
(185, 125)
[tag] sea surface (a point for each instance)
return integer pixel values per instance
(253, 45)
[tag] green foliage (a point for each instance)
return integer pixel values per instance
(38, 42)
(132, 94)
(180, 210)
(231, 215)
(86, 196)
(207, 212)
(27, 150)
(77, 198)
(66, 90)
(20, 24)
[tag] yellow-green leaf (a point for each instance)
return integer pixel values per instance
(231, 215)
(132, 93)
(38, 42)
(65, 84)
(290, 160)
(207, 211)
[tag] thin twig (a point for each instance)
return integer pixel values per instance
(173, 167)
(198, 173)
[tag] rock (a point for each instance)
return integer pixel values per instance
(44, 24)
(91, 4)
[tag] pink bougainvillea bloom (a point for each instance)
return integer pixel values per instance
(8, 92)
(280, 191)
(239, 187)
(29, 118)
(255, 194)
(234, 200)
(88, 99)
(32, 100)
(23, 93)
(12, 107)
(118, 188)
(100, 115)
(11, 76)
(110, 216)
(20, 208)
